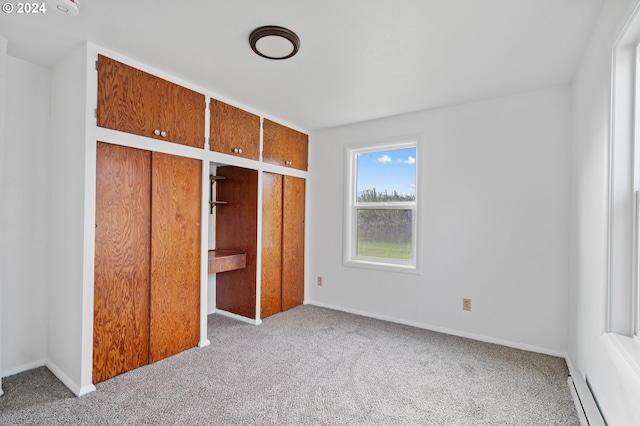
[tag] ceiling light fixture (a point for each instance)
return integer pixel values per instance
(273, 42)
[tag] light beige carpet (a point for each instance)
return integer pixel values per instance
(312, 366)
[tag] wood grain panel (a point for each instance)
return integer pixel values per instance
(132, 101)
(282, 144)
(175, 255)
(232, 128)
(181, 114)
(122, 253)
(126, 98)
(293, 242)
(271, 273)
(237, 230)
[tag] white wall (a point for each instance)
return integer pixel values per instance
(67, 293)
(588, 349)
(495, 191)
(43, 299)
(25, 211)
(3, 95)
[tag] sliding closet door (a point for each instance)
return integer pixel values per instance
(122, 255)
(271, 274)
(175, 254)
(293, 242)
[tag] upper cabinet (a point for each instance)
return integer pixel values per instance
(133, 101)
(284, 146)
(234, 131)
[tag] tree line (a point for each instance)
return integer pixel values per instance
(373, 196)
(389, 225)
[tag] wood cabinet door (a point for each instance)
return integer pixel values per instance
(132, 101)
(284, 146)
(237, 230)
(180, 114)
(175, 254)
(271, 273)
(293, 242)
(234, 131)
(122, 256)
(126, 98)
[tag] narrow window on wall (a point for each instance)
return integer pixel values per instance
(634, 127)
(381, 207)
(623, 304)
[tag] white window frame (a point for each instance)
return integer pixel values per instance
(351, 206)
(635, 136)
(622, 338)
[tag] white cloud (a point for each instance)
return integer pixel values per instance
(410, 160)
(384, 159)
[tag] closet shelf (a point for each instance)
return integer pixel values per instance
(226, 260)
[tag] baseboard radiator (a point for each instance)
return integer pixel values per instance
(586, 405)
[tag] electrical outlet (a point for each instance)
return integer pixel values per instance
(319, 280)
(466, 304)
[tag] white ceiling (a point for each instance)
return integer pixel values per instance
(359, 59)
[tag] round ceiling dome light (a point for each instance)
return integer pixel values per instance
(273, 42)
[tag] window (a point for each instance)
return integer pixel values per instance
(623, 304)
(381, 206)
(624, 179)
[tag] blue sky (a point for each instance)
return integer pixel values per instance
(387, 170)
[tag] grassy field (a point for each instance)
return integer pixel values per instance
(384, 249)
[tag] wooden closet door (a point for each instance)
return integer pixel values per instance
(284, 146)
(121, 289)
(271, 275)
(293, 242)
(233, 128)
(133, 101)
(175, 254)
(127, 98)
(180, 112)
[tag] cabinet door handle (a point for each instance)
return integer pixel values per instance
(288, 163)
(237, 150)
(156, 132)
(163, 134)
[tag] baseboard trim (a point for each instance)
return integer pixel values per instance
(24, 367)
(576, 401)
(238, 317)
(67, 381)
(472, 336)
(585, 403)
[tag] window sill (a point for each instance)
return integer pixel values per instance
(625, 351)
(618, 379)
(366, 264)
